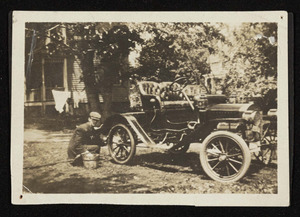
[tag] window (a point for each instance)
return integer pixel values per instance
(54, 73)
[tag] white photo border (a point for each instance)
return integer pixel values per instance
(19, 18)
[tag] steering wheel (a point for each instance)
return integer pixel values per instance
(180, 79)
(185, 82)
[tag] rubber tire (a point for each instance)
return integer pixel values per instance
(132, 145)
(237, 139)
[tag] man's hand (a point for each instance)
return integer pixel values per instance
(103, 138)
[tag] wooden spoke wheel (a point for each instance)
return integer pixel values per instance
(121, 144)
(224, 156)
(268, 149)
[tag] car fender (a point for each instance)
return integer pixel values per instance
(130, 120)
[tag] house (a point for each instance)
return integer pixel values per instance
(44, 73)
(59, 74)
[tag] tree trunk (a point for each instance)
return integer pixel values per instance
(107, 103)
(89, 81)
(106, 87)
(112, 69)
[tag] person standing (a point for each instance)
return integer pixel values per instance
(86, 137)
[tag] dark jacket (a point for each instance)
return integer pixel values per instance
(83, 135)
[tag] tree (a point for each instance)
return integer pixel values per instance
(177, 49)
(116, 42)
(111, 42)
(252, 64)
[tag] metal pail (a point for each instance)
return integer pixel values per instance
(90, 161)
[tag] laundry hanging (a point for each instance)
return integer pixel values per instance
(83, 97)
(60, 99)
(76, 99)
(79, 97)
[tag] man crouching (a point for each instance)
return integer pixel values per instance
(86, 138)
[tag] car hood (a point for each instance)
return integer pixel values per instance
(229, 110)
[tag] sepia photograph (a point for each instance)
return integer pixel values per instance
(181, 108)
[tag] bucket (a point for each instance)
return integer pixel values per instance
(90, 161)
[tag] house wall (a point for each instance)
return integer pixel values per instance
(67, 77)
(77, 87)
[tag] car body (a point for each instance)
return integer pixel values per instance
(177, 115)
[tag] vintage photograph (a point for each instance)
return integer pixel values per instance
(151, 107)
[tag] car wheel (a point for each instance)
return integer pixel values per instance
(267, 150)
(121, 144)
(224, 156)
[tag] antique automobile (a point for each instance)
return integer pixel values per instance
(177, 114)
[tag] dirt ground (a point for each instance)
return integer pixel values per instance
(152, 171)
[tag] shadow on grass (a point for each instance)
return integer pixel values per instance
(119, 183)
(257, 168)
(181, 163)
(190, 163)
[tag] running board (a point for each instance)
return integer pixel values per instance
(142, 135)
(157, 146)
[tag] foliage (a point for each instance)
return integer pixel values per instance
(248, 54)
(111, 42)
(168, 50)
(114, 48)
(177, 49)
(252, 65)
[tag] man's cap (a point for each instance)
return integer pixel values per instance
(95, 116)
